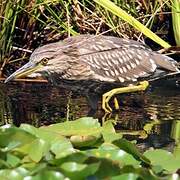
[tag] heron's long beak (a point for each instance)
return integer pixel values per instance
(25, 70)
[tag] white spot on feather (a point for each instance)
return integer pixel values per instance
(119, 54)
(121, 71)
(142, 73)
(90, 59)
(107, 73)
(128, 66)
(146, 53)
(153, 68)
(136, 46)
(96, 61)
(109, 62)
(115, 61)
(101, 56)
(130, 56)
(124, 58)
(136, 76)
(133, 79)
(120, 60)
(121, 79)
(100, 47)
(124, 69)
(116, 72)
(117, 46)
(128, 78)
(123, 53)
(132, 52)
(112, 73)
(109, 56)
(95, 47)
(137, 61)
(113, 55)
(133, 65)
(139, 56)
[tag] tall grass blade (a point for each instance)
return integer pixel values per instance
(107, 4)
(176, 20)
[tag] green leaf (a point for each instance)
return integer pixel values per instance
(164, 159)
(8, 174)
(47, 175)
(12, 145)
(29, 128)
(12, 160)
(62, 148)
(114, 154)
(109, 133)
(83, 126)
(38, 149)
(143, 173)
(131, 149)
(107, 169)
(12, 136)
(78, 157)
(4, 164)
(86, 141)
(79, 171)
(22, 171)
(73, 166)
(49, 136)
(126, 176)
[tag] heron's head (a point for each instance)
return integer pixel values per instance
(42, 62)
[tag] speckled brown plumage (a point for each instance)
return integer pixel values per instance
(103, 58)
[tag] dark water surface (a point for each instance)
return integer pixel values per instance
(151, 118)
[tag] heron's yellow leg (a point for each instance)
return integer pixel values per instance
(116, 105)
(107, 96)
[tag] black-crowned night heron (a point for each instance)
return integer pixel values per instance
(92, 64)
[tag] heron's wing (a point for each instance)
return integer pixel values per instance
(113, 59)
(121, 64)
(130, 64)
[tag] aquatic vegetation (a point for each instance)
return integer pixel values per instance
(80, 149)
(24, 25)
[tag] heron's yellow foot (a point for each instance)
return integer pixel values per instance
(107, 96)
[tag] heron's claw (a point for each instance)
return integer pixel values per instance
(107, 96)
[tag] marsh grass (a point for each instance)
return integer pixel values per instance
(25, 25)
(176, 20)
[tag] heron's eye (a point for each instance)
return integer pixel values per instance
(44, 61)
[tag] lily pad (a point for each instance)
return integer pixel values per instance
(6, 174)
(126, 176)
(131, 149)
(10, 135)
(62, 148)
(164, 159)
(83, 126)
(47, 175)
(115, 154)
(79, 171)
